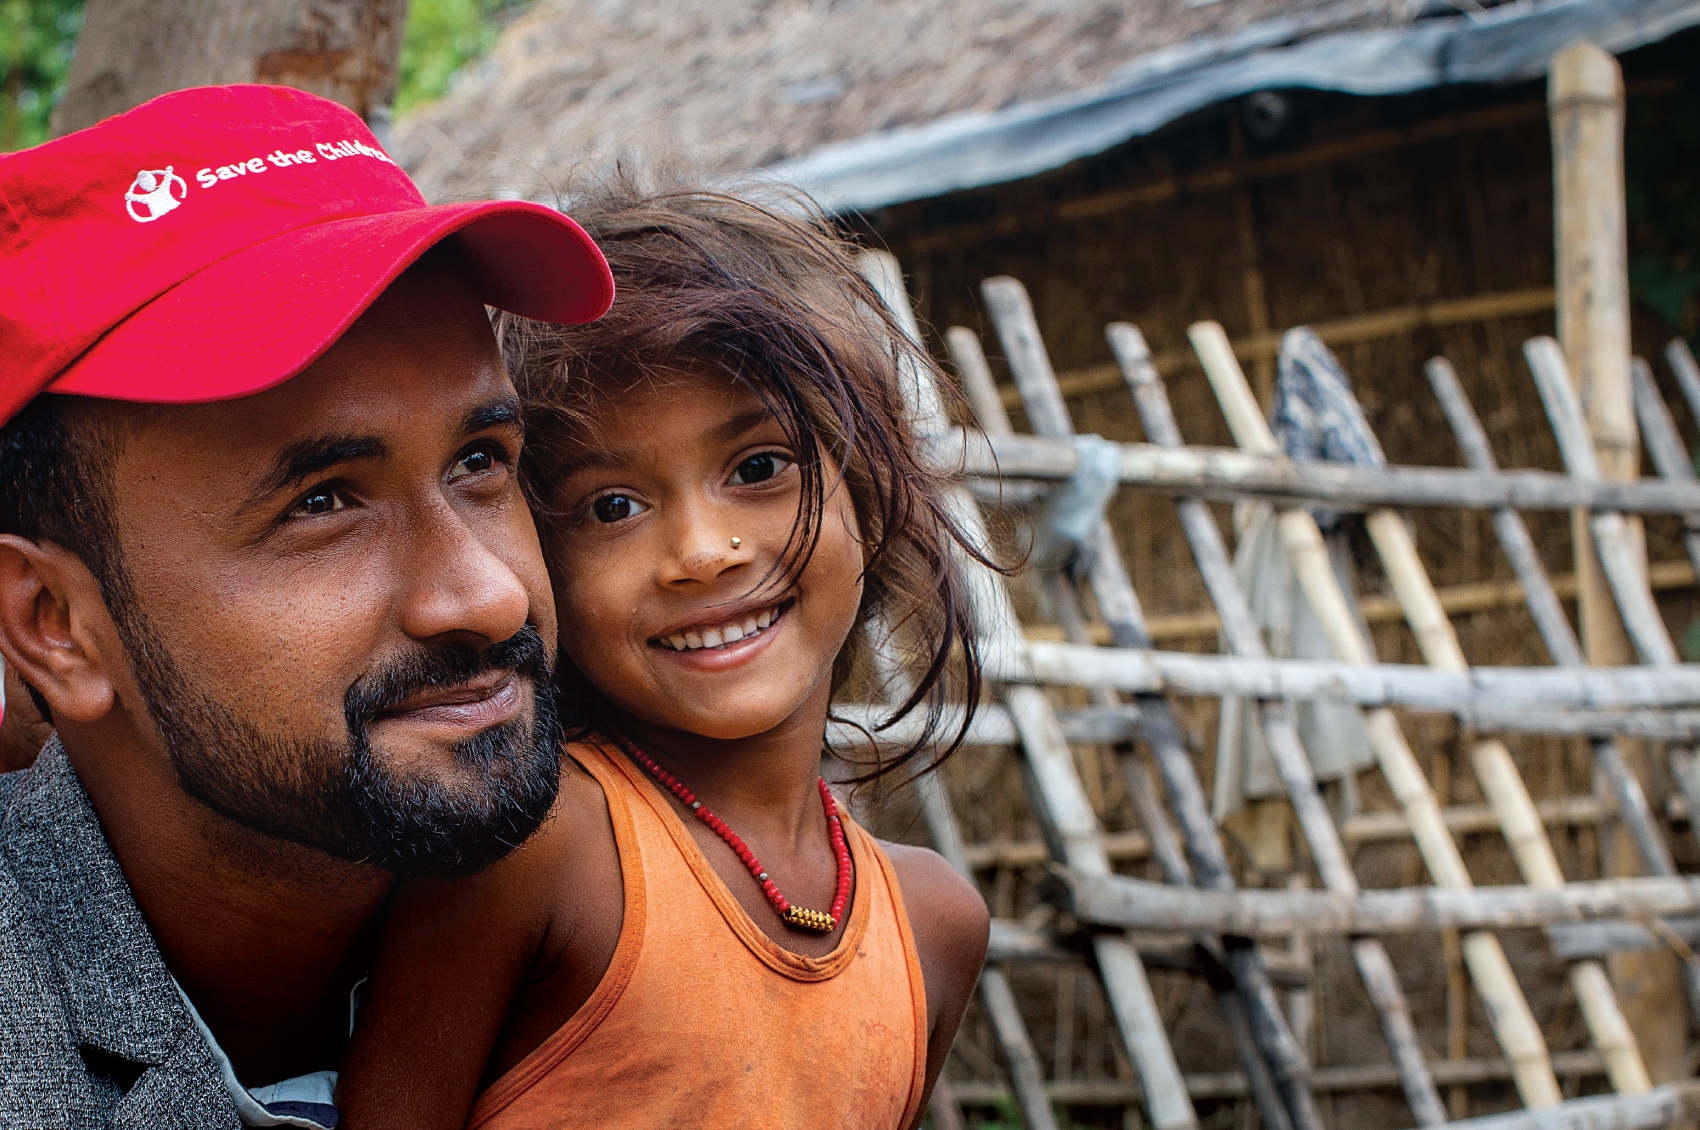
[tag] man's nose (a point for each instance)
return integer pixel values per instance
(464, 578)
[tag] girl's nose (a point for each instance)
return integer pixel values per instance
(705, 550)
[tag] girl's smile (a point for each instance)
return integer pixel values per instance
(726, 631)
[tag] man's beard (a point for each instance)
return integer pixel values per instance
(337, 796)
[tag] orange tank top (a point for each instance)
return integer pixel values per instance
(703, 1021)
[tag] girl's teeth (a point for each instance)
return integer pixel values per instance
(719, 637)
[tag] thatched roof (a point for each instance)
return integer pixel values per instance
(870, 102)
(728, 86)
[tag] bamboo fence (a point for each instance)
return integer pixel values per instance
(1482, 942)
(1105, 703)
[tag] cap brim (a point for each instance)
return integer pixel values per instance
(259, 317)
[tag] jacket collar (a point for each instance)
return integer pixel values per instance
(118, 993)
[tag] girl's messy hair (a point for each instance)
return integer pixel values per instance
(769, 294)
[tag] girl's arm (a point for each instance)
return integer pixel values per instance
(450, 960)
(951, 940)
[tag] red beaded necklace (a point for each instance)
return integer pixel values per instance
(801, 918)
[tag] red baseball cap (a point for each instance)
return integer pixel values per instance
(213, 242)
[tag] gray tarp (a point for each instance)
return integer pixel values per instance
(972, 150)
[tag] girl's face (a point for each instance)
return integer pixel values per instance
(676, 512)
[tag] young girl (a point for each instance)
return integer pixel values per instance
(735, 517)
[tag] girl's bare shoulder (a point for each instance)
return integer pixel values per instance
(950, 924)
(554, 880)
(946, 913)
(571, 867)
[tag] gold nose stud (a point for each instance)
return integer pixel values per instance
(736, 542)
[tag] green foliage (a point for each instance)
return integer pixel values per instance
(441, 37)
(1663, 182)
(1691, 643)
(1003, 1114)
(38, 36)
(36, 39)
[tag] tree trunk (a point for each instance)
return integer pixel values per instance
(132, 50)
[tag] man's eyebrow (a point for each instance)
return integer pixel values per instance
(305, 458)
(502, 412)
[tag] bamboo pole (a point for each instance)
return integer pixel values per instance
(1301, 998)
(1585, 101)
(1500, 782)
(1482, 692)
(944, 1112)
(1514, 1025)
(1596, 939)
(1687, 372)
(1126, 903)
(1064, 813)
(993, 727)
(1625, 788)
(1166, 847)
(1006, 942)
(1505, 791)
(1015, 1046)
(1650, 979)
(1292, 766)
(1216, 1085)
(1612, 541)
(1611, 538)
(971, 365)
(1009, 1030)
(1652, 1109)
(1455, 600)
(1664, 445)
(1018, 943)
(1363, 828)
(1224, 474)
(1017, 328)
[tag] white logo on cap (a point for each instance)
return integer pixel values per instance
(153, 193)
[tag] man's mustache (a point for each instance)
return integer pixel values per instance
(447, 665)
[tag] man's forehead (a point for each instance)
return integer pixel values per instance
(415, 372)
(313, 412)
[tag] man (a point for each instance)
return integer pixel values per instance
(266, 566)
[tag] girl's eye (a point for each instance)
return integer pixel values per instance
(759, 468)
(319, 500)
(477, 461)
(616, 507)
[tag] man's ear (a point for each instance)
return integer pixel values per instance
(54, 628)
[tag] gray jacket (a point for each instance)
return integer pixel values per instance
(92, 1029)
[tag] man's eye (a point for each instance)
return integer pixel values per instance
(319, 500)
(616, 507)
(476, 462)
(759, 468)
